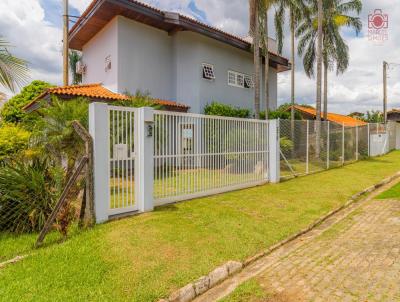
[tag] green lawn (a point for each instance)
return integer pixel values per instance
(392, 193)
(144, 258)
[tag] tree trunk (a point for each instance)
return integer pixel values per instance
(325, 90)
(319, 81)
(266, 76)
(293, 58)
(256, 44)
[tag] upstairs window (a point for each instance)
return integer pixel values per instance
(240, 80)
(208, 72)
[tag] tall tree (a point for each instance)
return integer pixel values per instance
(319, 78)
(265, 7)
(74, 58)
(13, 71)
(297, 11)
(254, 6)
(335, 51)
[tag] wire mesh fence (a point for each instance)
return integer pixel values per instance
(303, 151)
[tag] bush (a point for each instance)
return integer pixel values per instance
(13, 140)
(286, 144)
(12, 110)
(225, 110)
(29, 189)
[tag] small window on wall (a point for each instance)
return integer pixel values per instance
(107, 63)
(240, 80)
(208, 72)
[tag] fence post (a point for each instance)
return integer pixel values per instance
(356, 142)
(274, 151)
(327, 145)
(342, 143)
(307, 147)
(99, 130)
(369, 137)
(144, 163)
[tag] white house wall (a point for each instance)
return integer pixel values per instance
(145, 60)
(192, 51)
(170, 67)
(103, 44)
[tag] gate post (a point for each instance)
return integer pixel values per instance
(274, 151)
(99, 130)
(144, 162)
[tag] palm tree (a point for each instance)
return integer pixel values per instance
(13, 71)
(297, 11)
(74, 58)
(255, 34)
(334, 49)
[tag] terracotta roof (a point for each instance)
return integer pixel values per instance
(333, 117)
(96, 92)
(182, 22)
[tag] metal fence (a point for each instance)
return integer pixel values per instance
(339, 144)
(145, 158)
(197, 155)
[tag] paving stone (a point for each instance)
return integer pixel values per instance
(358, 261)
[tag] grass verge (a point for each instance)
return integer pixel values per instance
(144, 258)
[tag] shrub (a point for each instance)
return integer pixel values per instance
(226, 110)
(13, 140)
(286, 144)
(12, 110)
(29, 190)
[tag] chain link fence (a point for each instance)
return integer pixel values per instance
(339, 144)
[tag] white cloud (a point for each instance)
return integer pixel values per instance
(22, 23)
(80, 5)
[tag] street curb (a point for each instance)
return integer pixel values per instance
(188, 293)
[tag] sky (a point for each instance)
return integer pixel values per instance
(33, 28)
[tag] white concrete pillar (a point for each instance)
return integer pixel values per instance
(274, 152)
(99, 130)
(144, 162)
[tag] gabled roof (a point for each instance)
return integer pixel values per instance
(94, 92)
(332, 117)
(100, 12)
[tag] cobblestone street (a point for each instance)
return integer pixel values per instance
(357, 259)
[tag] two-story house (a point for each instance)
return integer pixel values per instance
(129, 46)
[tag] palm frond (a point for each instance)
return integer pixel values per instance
(13, 70)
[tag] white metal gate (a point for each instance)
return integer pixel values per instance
(197, 155)
(121, 138)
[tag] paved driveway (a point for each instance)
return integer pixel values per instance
(358, 259)
(353, 256)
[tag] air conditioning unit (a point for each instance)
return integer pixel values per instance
(80, 67)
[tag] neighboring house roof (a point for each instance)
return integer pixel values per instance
(332, 117)
(100, 12)
(95, 92)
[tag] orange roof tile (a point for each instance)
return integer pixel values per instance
(333, 117)
(94, 91)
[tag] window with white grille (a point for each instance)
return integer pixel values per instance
(240, 80)
(208, 72)
(248, 82)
